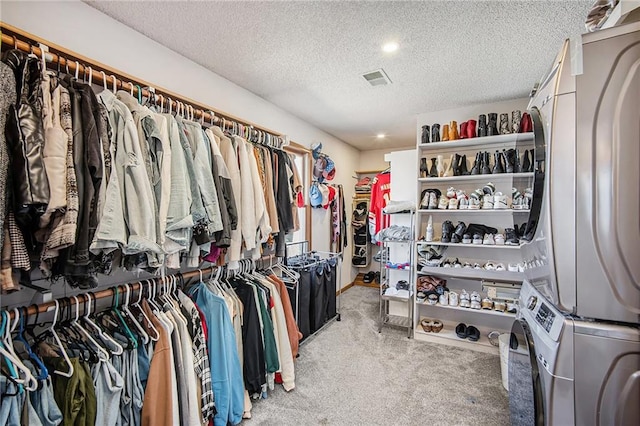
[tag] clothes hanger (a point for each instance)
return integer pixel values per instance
(115, 81)
(131, 317)
(71, 337)
(103, 354)
(104, 336)
(52, 330)
(104, 81)
(125, 327)
(9, 349)
(44, 373)
(136, 305)
(30, 383)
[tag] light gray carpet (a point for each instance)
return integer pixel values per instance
(349, 374)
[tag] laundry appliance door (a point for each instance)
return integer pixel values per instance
(526, 394)
(608, 176)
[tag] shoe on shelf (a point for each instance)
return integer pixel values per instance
(445, 132)
(426, 325)
(471, 129)
(490, 266)
(500, 267)
(477, 266)
(500, 201)
(511, 237)
(446, 263)
(499, 239)
(489, 189)
(458, 233)
(482, 125)
(516, 117)
(488, 240)
(453, 131)
(435, 133)
(443, 203)
(467, 265)
(475, 296)
(426, 133)
(457, 264)
(461, 330)
(453, 298)
(477, 239)
(487, 202)
(492, 124)
(466, 239)
(505, 124)
(512, 267)
(474, 304)
(447, 230)
(369, 277)
(475, 169)
(437, 326)
(485, 167)
(453, 204)
(473, 333)
(498, 166)
(463, 203)
(463, 130)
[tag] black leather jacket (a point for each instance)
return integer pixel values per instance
(25, 139)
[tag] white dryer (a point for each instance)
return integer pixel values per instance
(563, 371)
(583, 233)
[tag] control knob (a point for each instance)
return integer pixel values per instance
(531, 302)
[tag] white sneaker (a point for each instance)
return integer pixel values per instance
(499, 201)
(453, 203)
(474, 204)
(444, 202)
(451, 192)
(463, 204)
(512, 267)
(499, 239)
(488, 240)
(487, 202)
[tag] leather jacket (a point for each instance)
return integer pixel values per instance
(25, 139)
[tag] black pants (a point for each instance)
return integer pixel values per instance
(318, 311)
(330, 280)
(304, 302)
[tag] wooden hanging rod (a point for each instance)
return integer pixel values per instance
(83, 66)
(109, 292)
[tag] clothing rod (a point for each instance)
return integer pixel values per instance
(26, 42)
(108, 292)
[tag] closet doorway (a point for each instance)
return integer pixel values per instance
(302, 160)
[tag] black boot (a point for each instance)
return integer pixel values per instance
(433, 171)
(426, 133)
(497, 166)
(511, 239)
(486, 165)
(492, 125)
(435, 133)
(424, 169)
(532, 167)
(475, 169)
(456, 165)
(526, 162)
(509, 157)
(482, 125)
(463, 166)
(457, 235)
(517, 166)
(447, 230)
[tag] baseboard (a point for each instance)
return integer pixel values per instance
(343, 289)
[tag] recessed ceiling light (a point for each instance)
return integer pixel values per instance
(392, 46)
(381, 135)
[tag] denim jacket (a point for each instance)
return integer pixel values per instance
(129, 215)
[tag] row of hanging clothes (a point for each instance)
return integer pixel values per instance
(162, 352)
(315, 296)
(94, 182)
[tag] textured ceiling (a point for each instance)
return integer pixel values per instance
(308, 56)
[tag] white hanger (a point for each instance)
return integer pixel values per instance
(146, 318)
(118, 347)
(102, 352)
(104, 80)
(136, 324)
(59, 343)
(29, 380)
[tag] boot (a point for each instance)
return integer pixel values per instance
(510, 159)
(497, 166)
(426, 132)
(526, 162)
(471, 129)
(453, 131)
(424, 169)
(449, 170)
(433, 171)
(475, 169)
(456, 165)
(447, 230)
(532, 167)
(463, 130)
(445, 132)
(482, 125)
(525, 124)
(440, 165)
(505, 126)
(517, 166)
(492, 125)
(435, 133)
(463, 166)
(516, 117)
(486, 163)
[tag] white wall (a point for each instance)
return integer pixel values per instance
(86, 31)
(374, 159)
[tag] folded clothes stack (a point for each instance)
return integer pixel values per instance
(363, 185)
(395, 233)
(399, 207)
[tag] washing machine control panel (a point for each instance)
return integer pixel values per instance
(545, 317)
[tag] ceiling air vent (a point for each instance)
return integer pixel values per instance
(377, 77)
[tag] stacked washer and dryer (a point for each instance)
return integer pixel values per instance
(574, 354)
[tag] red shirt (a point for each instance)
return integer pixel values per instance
(380, 196)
